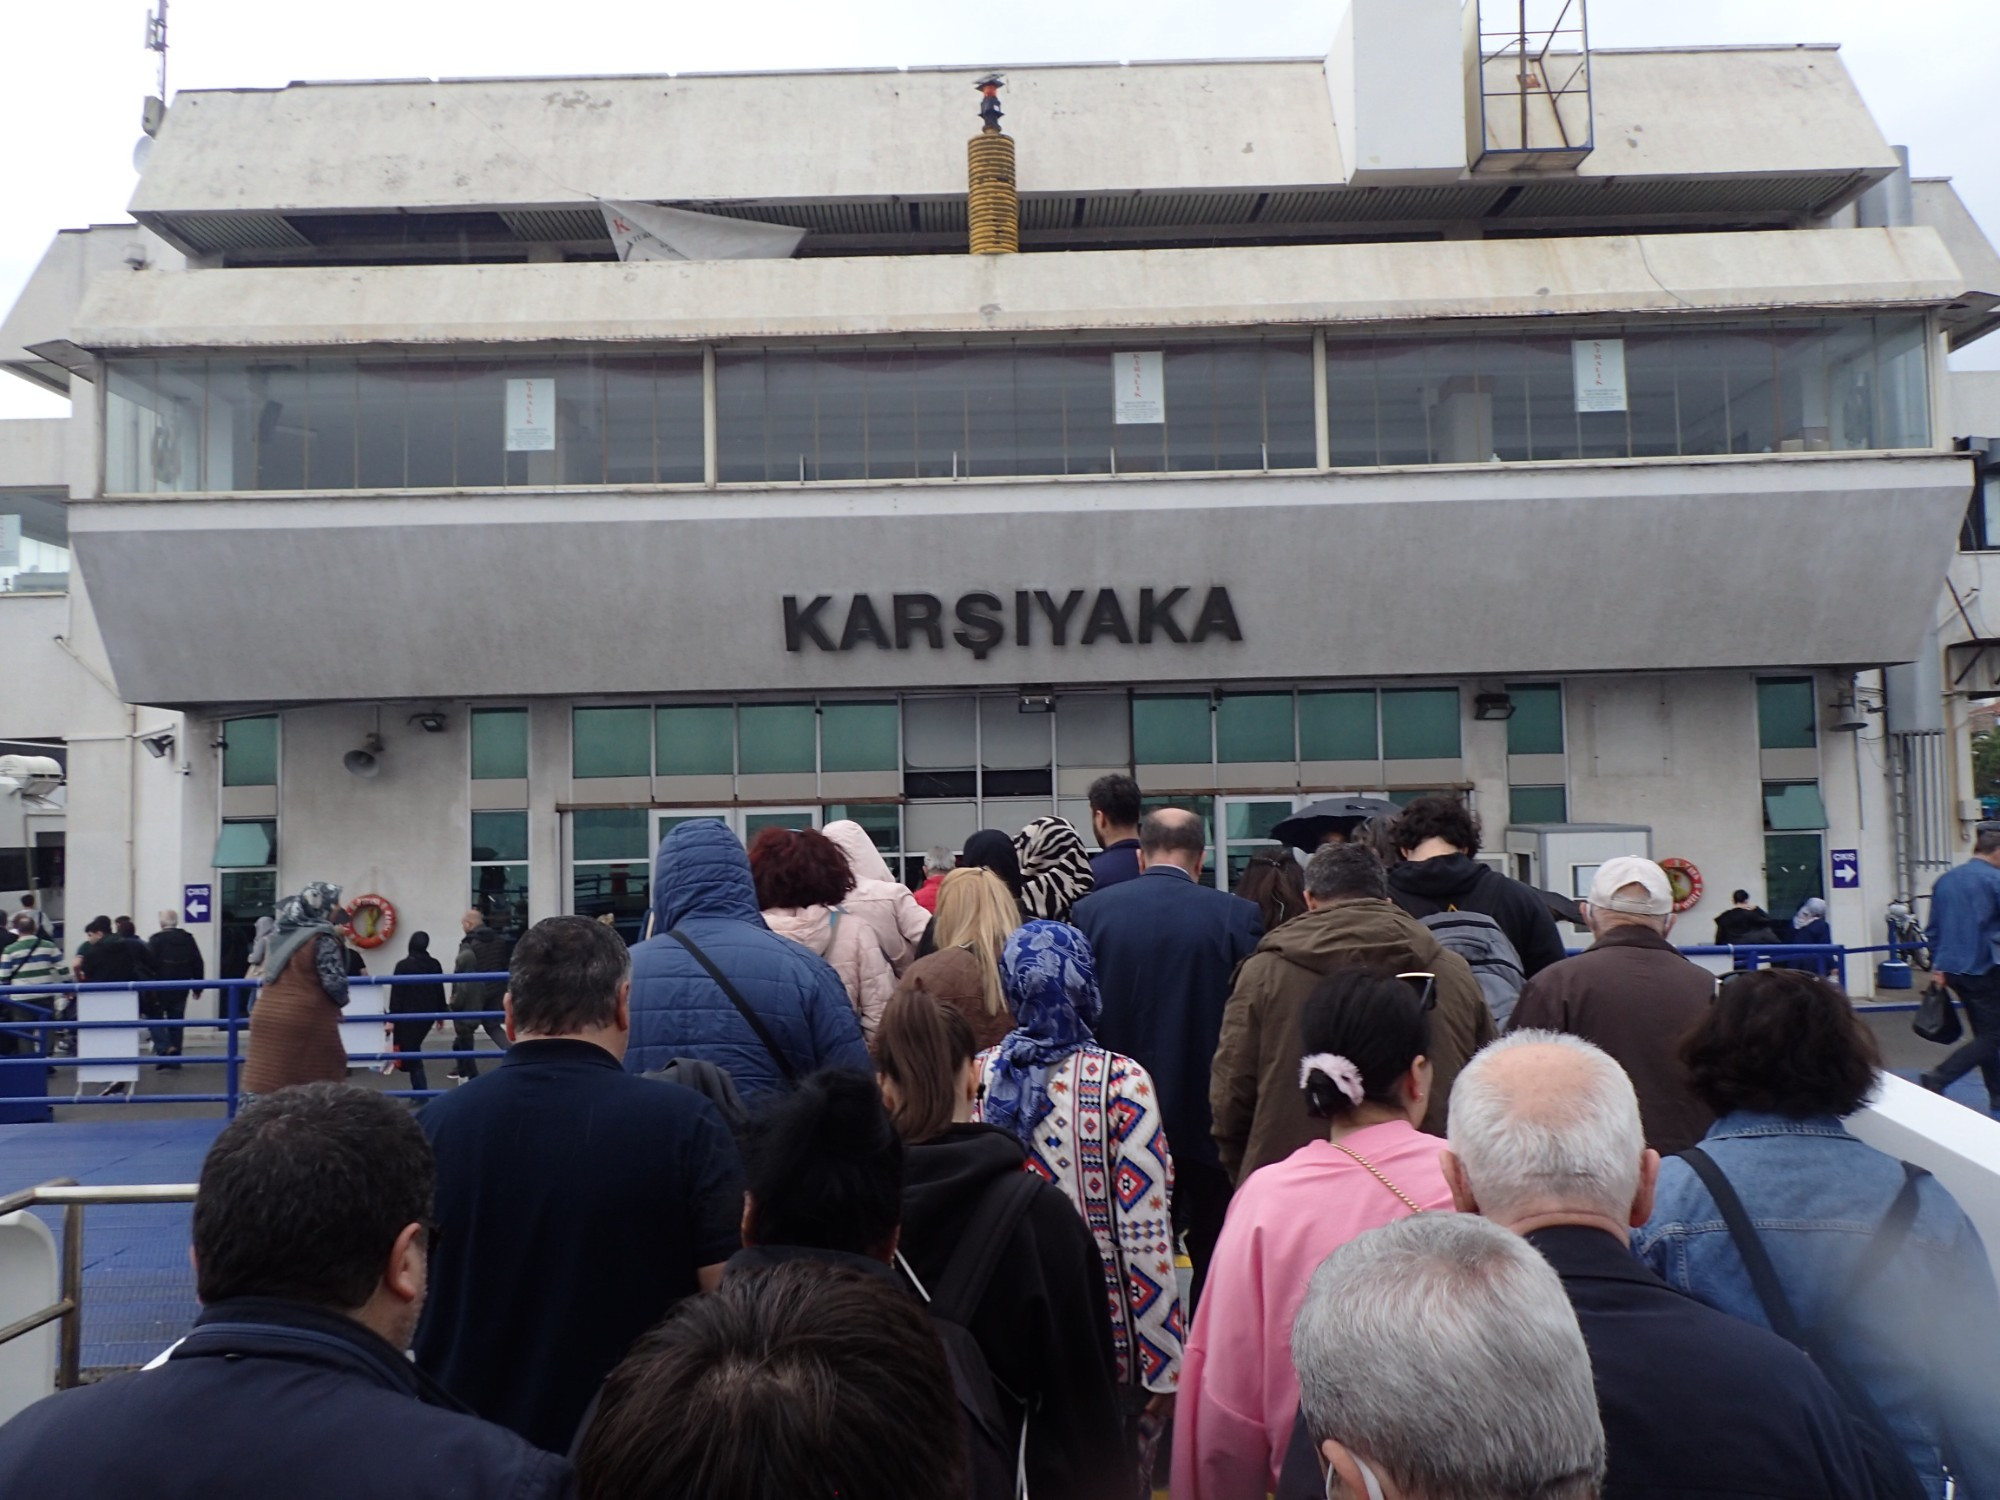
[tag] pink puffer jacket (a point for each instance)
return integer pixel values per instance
(850, 945)
(878, 898)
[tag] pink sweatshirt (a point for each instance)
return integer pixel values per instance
(1239, 1392)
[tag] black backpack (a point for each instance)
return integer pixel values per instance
(996, 1418)
(1889, 1467)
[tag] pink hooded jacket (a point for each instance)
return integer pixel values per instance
(849, 944)
(1239, 1390)
(878, 898)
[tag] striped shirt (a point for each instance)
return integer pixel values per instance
(33, 959)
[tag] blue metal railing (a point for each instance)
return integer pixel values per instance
(43, 1026)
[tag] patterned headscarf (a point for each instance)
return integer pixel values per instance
(1055, 868)
(1051, 983)
(1809, 912)
(299, 919)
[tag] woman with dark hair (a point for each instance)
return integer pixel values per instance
(990, 849)
(416, 999)
(1055, 868)
(1782, 1059)
(1041, 1319)
(802, 878)
(1275, 882)
(295, 1028)
(1366, 1073)
(1090, 1122)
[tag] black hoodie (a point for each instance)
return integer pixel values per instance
(1045, 1326)
(1458, 882)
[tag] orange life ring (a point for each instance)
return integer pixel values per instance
(371, 921)
(1686, 881)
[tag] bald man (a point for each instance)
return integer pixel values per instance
(1546, 1141)
(1166, 945)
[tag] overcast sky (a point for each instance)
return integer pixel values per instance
(72, 75)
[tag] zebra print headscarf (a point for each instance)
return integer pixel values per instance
(1055, 868)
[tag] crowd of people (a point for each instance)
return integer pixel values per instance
(832, 1187)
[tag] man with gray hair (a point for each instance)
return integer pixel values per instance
(1259, 1110)
(1633, 995)
(1546, 1141)
(1438, 1359)
(576, 1202)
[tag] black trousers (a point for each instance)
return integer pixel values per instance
(463, 1033)
(1980, 995)
(1201, 1201)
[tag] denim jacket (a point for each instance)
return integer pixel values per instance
(1924, 1338)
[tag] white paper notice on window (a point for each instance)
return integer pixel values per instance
(1600, 374)
(1138, 388)
(531, 416)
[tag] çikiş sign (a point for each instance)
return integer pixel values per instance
(980, 621)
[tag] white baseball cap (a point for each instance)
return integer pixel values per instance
(1615, 874)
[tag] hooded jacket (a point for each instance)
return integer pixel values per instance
(1044, 1326)
(1260, 1111)
(878, 897)
(846, 941)
(702, 884)
(1458, 882)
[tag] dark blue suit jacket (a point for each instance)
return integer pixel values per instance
(1167, 948)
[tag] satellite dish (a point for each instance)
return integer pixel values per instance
(367, 761)
(141, 151)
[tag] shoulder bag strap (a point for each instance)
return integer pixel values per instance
(742, 1006)
(1756, 1260)
(982, 1242)
(1889, 1235)
(1376, 1172)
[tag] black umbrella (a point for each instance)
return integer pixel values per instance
(1305, 828)
(1561, 907)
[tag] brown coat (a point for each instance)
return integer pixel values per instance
(1635, 997)
(1260, 1111)
(951, 977)
(294, 1030)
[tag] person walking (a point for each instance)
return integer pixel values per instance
(175, 955)
(260, 947)
(295, 1025)
(1350, 923)
(416, 999)
(1090, 1122)
(1964, 931)
(31, 958)
(990, 849)
(1809, 925)
(1438, 837)
(938, 863)
(1166, 947)
(1783, 1060)
(1632, 994)
(481, 951)
(1361, 1067)
(714, 984)
(1275, 883)
(1055, 869)
(803, 882)
(107, 958)
(877, 897)
(1115, 806)
(613, 1197)
(975, 914)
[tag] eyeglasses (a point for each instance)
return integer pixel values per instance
(1425, 988)
(1722, 980)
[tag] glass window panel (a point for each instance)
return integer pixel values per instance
(1791, 806)
(1254, 820)
(247, 895)
(1202, 807)
(1537, 725)
(479, 450)
(499, 744)
(1171, 731)
(859, 737)
(608, 833)
(1537, 804)
(382, 398)
(777, 737)
(1338, 726)
(1902, 362)
(1793, 871)
(630, 418)
(1288, 403)
(250, 751)
(1787, 714)
(1351, 403)
(1093, 729)
(1083, 377)
(611, 741)
(500, 892)
(1652, 389)
(891, 392)
(755, 822)
(1459, 392)
(1402, 403)
(500, 836)
(744, 414)
(677, 418)
(1010, 740)
(697, 740)
(430, 390)
(1420, 724)
(992, 416)
(1749, 364)
(622, 891)
(246, 843)
(938, 734)
(1254, 726)
(838, 383)
(282, 416)
(331, 437)
(128, 415)
(882, 821)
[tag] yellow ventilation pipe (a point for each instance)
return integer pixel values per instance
(993, 209)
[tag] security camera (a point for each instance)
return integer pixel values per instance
(429, 723)
(159, 746)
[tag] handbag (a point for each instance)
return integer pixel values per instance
(1937, 1019)
(1894, 1476)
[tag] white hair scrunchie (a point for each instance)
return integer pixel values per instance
(1341, 1073)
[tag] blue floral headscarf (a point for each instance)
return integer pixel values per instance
(1051, 984)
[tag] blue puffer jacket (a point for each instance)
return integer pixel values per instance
(702, 885)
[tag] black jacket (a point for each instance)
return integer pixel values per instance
(1736, 926)
(267, 1398)
(1045, 1326)
(482, 951)
(114, 960)
(176, 955)
(1167, 948)
(1425, 887)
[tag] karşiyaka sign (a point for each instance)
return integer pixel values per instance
(980, 621)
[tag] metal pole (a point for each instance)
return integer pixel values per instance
(70, 1363)
(231, 1062)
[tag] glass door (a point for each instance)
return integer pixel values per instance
(1245, 824)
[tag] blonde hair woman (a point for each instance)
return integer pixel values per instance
(975, 914)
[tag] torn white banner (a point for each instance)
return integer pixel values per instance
(646, 231)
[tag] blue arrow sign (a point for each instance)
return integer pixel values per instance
(1846, 869)
(195, 903)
